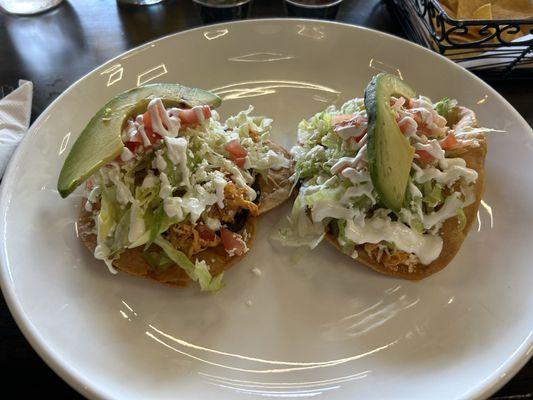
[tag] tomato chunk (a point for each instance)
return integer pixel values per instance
(340, 118)
(449, 142)
(189, 116)
(233, 242)
(152, 136)
(424, 157)
(237, 152)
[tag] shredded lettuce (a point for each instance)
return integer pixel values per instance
(322, 195)
(432, 193)
(108, 214)
(339, 228)
(198, 272)
(299, 230)
(120, 236)
(155, 224)
(157, 260)
(444, 106)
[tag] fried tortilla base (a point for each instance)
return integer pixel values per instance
(452, 237)
(276, 188)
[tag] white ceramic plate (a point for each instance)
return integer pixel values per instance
(325, 326)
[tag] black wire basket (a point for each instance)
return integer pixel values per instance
(492, 49)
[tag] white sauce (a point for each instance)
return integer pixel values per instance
(165, 190)
(453, 169)
(101, 252)
(199, 112)
(448, 210)
(140, 128)
(355, 176)
(329, 209)
(94, 194)
(172, 207)
(345, 162)
(194, 207)
(160, 162)
(426, 247)
(177, 153)
(159, 117)
(123, 193)
(432, 147)
(356, 191)
(351, 130)
(408, 127)
(149, 181)
(220, 184)
(212, 223)
(415, 192)
(126, 154)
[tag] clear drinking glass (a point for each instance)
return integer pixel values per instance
(27, 7)
(223, 10)
(324, 9)
(139, 2)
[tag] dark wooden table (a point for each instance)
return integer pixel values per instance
(56, 48)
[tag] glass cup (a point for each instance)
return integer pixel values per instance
(27, 7)
(223, 10)
(323, 9)
(139, 2)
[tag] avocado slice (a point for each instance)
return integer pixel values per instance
(389, 153)
(100, 141)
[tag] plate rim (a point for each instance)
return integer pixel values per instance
(497, 379)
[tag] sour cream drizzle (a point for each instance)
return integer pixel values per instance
(160, 119)
(426, 247)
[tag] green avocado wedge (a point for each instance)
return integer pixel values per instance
(101, 142)
(390, 155)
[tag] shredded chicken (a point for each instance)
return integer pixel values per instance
(390, 259)
(255, 136)
(234, 201)
(192, 239)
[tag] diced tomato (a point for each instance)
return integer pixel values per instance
(132, 146)
(239, 162)
(449, 142)
(237, 152)
(424, 157)
(232, 242)
(152, 136)
(89, 184)
(356, 125)
(235, 149)
(147, 120)
(338, 119)
(189, 117)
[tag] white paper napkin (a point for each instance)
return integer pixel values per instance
(15, 111)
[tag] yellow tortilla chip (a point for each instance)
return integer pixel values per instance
(451, 236)
(483, 12)
(450, 6)
(466, 8)
(512, 9)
